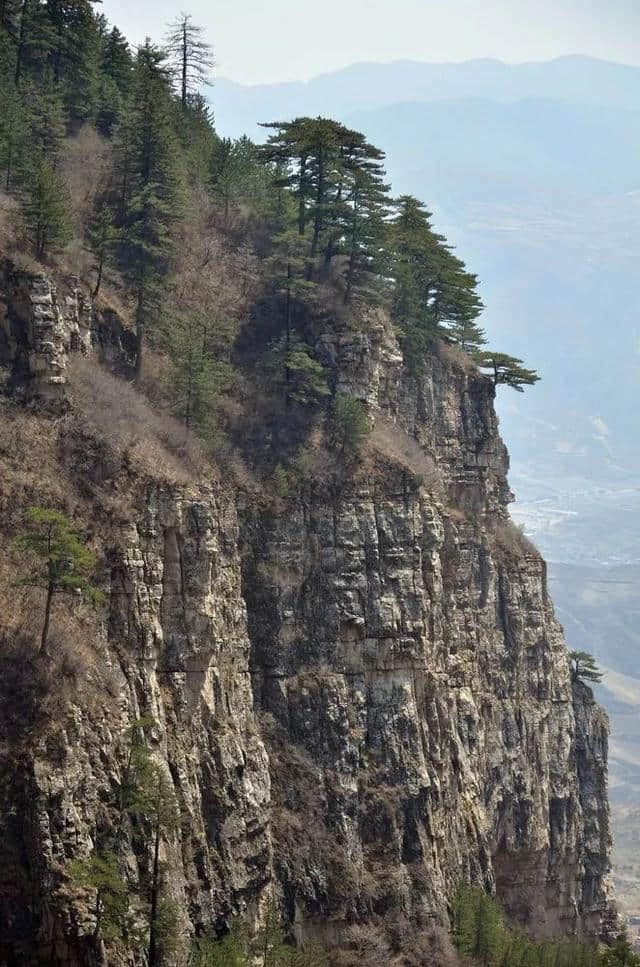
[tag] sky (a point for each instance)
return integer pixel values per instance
(264, 41)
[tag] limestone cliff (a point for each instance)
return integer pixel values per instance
(361, 694)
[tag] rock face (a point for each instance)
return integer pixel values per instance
(405, 645)
(361, 696)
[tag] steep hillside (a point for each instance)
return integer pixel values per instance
(280, 681)
(360, 693)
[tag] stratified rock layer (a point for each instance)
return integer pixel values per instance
(361, 697)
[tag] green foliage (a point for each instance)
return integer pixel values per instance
(434, 296)
(337, 181)
(350, 424)
(201, 370)
(230, 951)
(150, 186)
(14, 131)
(101, 239)
(305, 377)
(269, 947)
(506, 370)
(481, 933)
(236, 176)
(47, 209)
(620, 954)
(101, 872)
(62, 563)
(584, 667)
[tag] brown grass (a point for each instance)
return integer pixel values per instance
(455, 355)
(151, 442)
(396, 445)
(509, 543)
(84, 167)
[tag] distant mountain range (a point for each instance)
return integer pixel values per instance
(533, 172)
(575, 79)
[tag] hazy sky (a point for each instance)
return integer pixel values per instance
(275, 40)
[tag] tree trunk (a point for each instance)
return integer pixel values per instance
(185, 62)
(287, 371)
(47, 618)
(21, 41)
(139, 330)
(302, 214)
(9, 164)
(153, 915)
(94, 294)
(318, 220)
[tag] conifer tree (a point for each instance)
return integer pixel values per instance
(199, 375)
(150, 186)
(190, 57)
(149, 795)
(63, 562)
(584, 667)
(507, 370)
(113, 79)
(47, 124)
(101, 237)
(364, 232)
(47, 208)
(350, 423)
(101, 872)
(14, 131)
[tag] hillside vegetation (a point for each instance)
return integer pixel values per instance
(226, 260)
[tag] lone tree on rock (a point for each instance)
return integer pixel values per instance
(584, 668)
(507, 370)
(63, 564)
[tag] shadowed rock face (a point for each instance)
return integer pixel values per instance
(360, 698)
(406, 647)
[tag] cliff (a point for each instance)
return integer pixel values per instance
(360, 691)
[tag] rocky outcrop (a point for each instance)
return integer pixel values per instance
(360, 695)
(39, 327)
(175, 651)
(405, 644)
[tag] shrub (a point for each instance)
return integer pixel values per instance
(350, 424)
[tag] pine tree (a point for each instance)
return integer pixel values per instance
(199, 376)
(190, 57)
(507, 370)
(101, 237)
(584, 667)
(150, 187)
(149, 795)
(63, 564)
(415, 253)
(363, 233)
(235, 175)
(230, 951)
(47, 208)
(433, 296)
(350, 424)
(14, 132)
(113, 81)
(620, 954)
(101, 872)
(47, 124)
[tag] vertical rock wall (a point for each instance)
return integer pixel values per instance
(360, 697)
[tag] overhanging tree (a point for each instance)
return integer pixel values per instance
(506, 370)
(584, 667)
